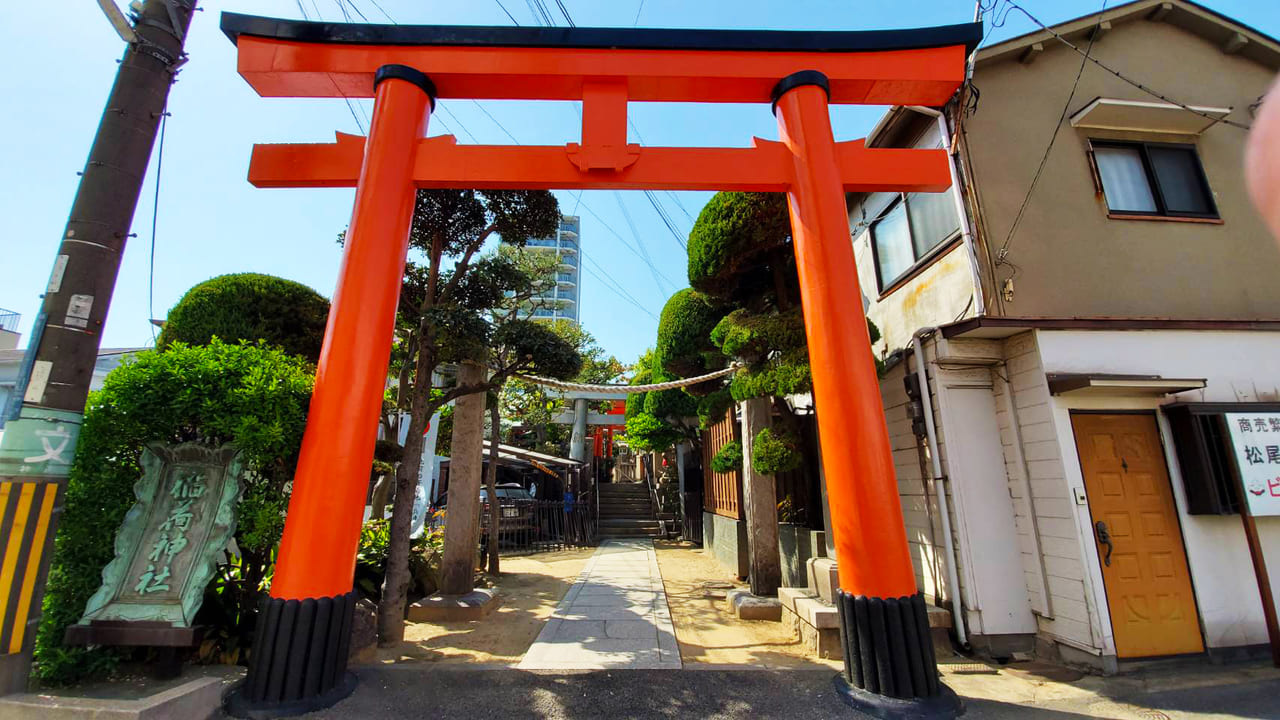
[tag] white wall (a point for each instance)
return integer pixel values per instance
(1238, 367)
(1046, 517)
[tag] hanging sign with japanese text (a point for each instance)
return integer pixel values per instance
(1255, 444)
(168, 545)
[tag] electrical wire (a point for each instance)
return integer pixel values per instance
(563, 11)
(1044, 159)
(356, 10)
(441, 106)
(618, 288)
(495, 122)
(384, 12)
(1015, 6)
(638, 10)
(508, 13)
(653, 270)
(155, 213)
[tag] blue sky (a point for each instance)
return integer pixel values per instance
(211, 221)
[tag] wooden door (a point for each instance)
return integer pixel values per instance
(1153, 608)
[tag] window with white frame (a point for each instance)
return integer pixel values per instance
(1153, 179)
(911, 226)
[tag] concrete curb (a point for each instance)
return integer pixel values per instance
(193, 700)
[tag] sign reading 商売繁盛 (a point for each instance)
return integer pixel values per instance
(1255, 444)
(167, 546)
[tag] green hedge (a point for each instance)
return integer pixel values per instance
(684, 346)
(732, 233)
(728, 458)
(251, 395)
(775, 452)
(249, 306)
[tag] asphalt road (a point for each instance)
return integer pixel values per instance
(417, 691)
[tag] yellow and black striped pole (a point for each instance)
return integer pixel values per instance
(25, 524)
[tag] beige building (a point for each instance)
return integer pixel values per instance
(1088, 302)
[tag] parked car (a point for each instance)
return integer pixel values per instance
(515, 508)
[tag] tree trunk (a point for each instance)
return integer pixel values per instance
(491, 485)
(457, 567)
(397, 579)
(395, 584)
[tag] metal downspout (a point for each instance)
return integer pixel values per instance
(940, 487)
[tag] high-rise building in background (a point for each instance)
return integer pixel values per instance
(559, 301)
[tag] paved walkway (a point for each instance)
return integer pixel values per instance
(614, 616)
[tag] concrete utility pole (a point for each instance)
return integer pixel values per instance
(760, 504)
(44, 417)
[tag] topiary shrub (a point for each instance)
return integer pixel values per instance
(733, 233)
(684, 346)
(646, 433)
(249, 306)
(728, 458)
(713, 407)
(251, 395)
(676, 403)
(775, 452)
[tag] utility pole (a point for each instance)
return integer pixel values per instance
(44, 416)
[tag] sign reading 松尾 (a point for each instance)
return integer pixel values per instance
(1255, 443)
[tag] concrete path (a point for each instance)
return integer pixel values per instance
(614, 617)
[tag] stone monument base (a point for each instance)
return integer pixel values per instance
(452, 608)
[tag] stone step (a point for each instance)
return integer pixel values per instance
(636, 507)
(628, 532)
(628, 522)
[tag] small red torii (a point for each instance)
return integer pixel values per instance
(299, 659)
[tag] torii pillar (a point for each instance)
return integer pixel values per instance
(299, 657)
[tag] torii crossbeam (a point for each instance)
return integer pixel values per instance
(299, 656)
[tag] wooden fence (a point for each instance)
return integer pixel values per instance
(722, 492)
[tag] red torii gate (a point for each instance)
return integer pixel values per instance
(299, 659)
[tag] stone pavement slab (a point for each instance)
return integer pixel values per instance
(615, 616)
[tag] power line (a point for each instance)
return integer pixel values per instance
(1117, 73)
(1044, 159)
(441, 106)
(565, 12)
(637, 20)
(627, 245)
(616, 287)
(495, 122)
(384, 12)
(155, 212)
(640, 243)
(508, 12)
(356, 10)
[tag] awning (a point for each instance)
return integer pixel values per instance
(1145, 116)
(1108, 384)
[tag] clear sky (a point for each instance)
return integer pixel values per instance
(211, 221)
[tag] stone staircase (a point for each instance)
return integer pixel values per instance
(626, 510)
(811, 613)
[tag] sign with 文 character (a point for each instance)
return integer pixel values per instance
(167, 546)
(1255, 444)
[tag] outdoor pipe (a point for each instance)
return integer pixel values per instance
(940, 485)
